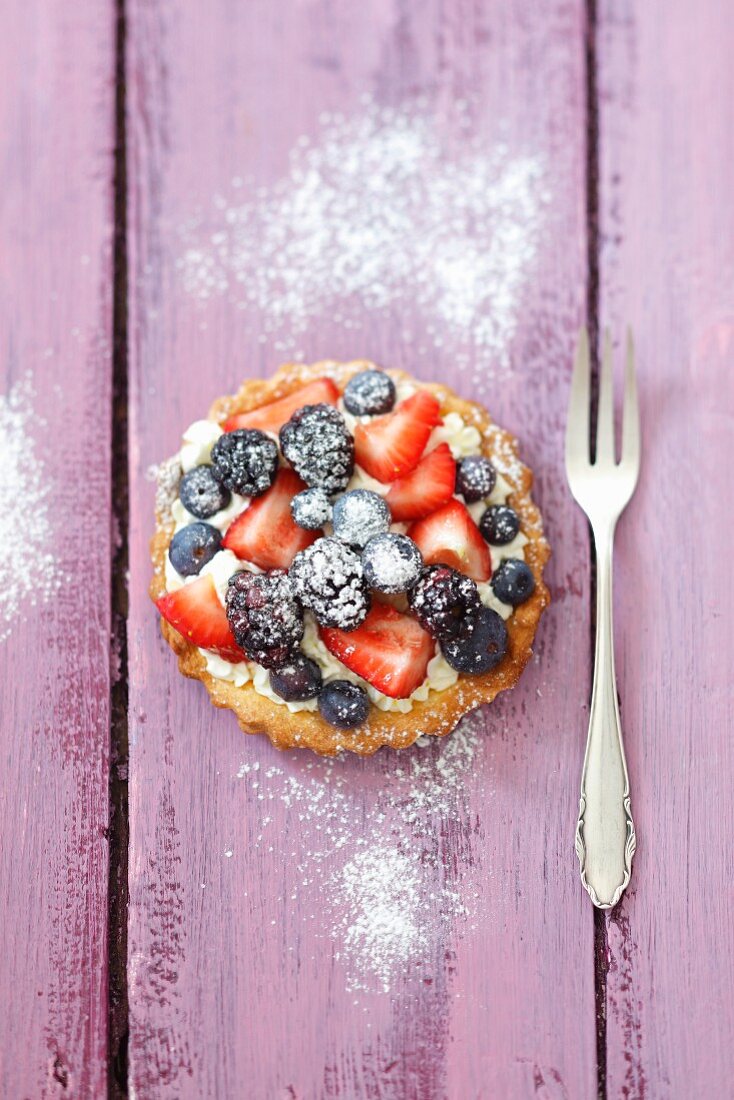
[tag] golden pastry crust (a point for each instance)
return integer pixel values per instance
(441, 711)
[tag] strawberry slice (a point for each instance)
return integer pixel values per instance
(389, 650)
(196, 613)
(389, 447)
(271, 418)
(451, 537)
(430, 485)
(266, 533)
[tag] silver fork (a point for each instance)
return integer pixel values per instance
(605, 834)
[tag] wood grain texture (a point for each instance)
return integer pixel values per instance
(57, 138)
(667, 267)
(249, 961)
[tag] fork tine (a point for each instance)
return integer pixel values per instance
(631, 424)
(605, 414)
(577, 427)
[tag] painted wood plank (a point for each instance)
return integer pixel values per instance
(56, 172)
(667, 267)
(405, 184)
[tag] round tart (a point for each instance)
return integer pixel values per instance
(348, 558)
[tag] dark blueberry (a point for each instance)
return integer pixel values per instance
(368, 393)
(475, 478)
(311, 509)
(318, 446)
(193, 546)
(499, 524)
(391, 563)
(245, 461)
(266, 618)
(297, 680)
(444, 601)
(201, 494)
(360, 515)
(479, 649)
(327, 578)
(343, 704)
(513, 581)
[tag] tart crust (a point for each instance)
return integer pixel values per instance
(441, 711)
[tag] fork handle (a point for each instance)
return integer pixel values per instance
(605, 834)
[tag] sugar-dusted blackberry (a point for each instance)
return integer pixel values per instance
(202, 494)
(444, 601)
(297, 680)
(245, 461)
(265, 617)
(311, 509)
(478, 649)
(499, 524)
(360, 515)
(327, 577)
(318, 446)
(476, 477)
(193, 546)
(343, 704)
(391, 563)
(368, 393)
(513, 581)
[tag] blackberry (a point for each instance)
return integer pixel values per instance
(480, 648)
(343, 704)
(266, 619)
(319, 447)
(369, 392)
(444, 601)
(360, 515)
(476, 477)
(513, 581)
(202, 494)
(391, 563)
(311, 509)
(327, 578)
(245, 461)
(499, 524)
(297, 680)
(193, 546)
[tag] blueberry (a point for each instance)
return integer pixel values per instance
(343, 704)
(317, 443)
(368, 393)
(311, 509)
(499, 524)
(201, 494)
(193, 546)
(444, 601)
(300, 679)
(245, 461)
(513, 581)
(479, 647)
(391, 563)
(475, 478)
(360, 515)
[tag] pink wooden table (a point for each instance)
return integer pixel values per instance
(191, 194)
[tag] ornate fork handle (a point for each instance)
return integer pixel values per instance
(605, 834)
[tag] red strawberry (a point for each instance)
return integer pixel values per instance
(451, 537)
(196, 613)
(424, 490)
(389, 650)
(271, 418)
(266, 532)
(388, 447)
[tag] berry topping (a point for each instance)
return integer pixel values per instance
(245, 461)
(391, 563)
(297, 680)
(266, 533)
(266, 619)
(196, 613)
(390, 446)
(271, 418)
(430, 485)
(201, 494)
(389, 650)
(343, 704)
(360, 515)
(445, 602)
(193, 546)
(327, 578)
(513, 581)
(479, 649)
(369, 392)
(475, 478)
(319, 447)
(499, 524)
(451, 537)
(311, 509)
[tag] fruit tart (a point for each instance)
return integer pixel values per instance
(348, 558)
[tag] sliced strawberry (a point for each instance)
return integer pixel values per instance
(430, 485)
(451, 537)
(266, 532)
(389, 650)
(389, 447)
(196, 613)
(272, 417)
